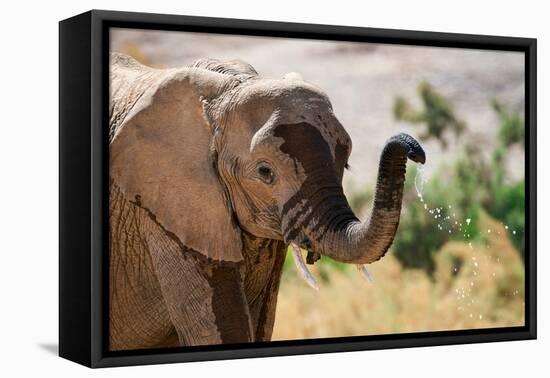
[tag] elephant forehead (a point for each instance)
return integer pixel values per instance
(274, 88)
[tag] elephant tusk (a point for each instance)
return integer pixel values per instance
(364, 272)
(302, 268)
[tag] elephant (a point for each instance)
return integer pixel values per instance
(214, 171)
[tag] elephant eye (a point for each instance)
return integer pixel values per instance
(265, 173)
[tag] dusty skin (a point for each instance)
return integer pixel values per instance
(214, 172)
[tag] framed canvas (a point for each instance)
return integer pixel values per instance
(235, 188)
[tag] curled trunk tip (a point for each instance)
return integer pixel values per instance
(345, 238)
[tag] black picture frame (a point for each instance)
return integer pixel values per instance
(84, 179)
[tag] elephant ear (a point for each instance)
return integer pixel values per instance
(161, 159)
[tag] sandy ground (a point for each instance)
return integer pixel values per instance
(362, 81)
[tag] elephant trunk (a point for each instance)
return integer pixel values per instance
(337, 233)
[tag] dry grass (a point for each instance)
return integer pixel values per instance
(474, 286)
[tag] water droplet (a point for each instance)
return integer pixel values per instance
(505, 227)
(419, 180)
(489, 231)
(468, 220)
(450, 207)
(480, 317)
(514, 232)
(475, 264)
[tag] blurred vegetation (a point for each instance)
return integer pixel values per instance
(462, 190)
(512, 129)
(473, 286)
(359, 199)
(437, 114)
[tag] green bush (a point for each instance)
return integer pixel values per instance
(437, 115)
(426, 225)
(471, 185)
(512, 129)
(468, 186)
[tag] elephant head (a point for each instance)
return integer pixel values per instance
(213, 149)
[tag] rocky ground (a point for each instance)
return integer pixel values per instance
(362, 81)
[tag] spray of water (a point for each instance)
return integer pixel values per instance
(419, 181)
(449, 222)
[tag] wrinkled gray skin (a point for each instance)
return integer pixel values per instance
(214, 171)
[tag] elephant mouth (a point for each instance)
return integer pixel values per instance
(304, 243)
(312, 256)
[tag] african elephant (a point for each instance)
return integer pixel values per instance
(214, 172)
